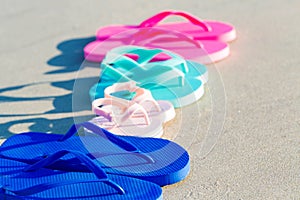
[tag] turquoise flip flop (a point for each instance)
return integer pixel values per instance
(31, 182)
(176, 80)
(151, 159)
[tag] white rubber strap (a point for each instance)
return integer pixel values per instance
(128, 109)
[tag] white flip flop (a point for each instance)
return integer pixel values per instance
(126, 118)
(129, 91)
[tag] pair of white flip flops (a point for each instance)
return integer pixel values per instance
(130, 110)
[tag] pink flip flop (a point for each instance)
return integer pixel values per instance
(194, 27)
(143, 97)
(123, 118)
(130, 110)
(205, 52)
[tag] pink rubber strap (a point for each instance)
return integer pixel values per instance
(147, 35)
(152, 21)
(135, 108)
(146, 96)
(127, 109)
(179, 39)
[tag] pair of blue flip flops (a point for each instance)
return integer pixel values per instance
(173, 79)
(96, 165)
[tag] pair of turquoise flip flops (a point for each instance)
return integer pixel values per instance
(97, 165)
(173, 79)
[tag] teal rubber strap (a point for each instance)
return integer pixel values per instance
(110, 71)
(120, 68)
(146, 55)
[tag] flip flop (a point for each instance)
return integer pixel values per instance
(130, 110)
(175, 80)
(124, 117)
(22, 181)
(156, 160)
(129, 91)
(194, 27)
(204, 51)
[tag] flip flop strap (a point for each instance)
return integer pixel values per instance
(98, 103)
(179, 38)
(121, 68)
(144, 79)
(106, 134)
(128, 109)
(154, 20)
(116, 87)
(147, 97)
(150, 36)
(141, 94)
(145, 55)
(47, 186)
(89, 163)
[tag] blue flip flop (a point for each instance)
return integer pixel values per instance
(31, 182)
(157, 160)
(176, 80)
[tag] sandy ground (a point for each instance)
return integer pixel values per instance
(256, 155)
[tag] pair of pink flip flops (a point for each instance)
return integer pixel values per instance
(203, 41)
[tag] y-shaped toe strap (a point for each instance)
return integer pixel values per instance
(101, 176)
(141, 95)
(154, 75)
(151, 36)
(47, 186)
(127, 146)
(154, 20)
(128, 109)
(117, 56)
(119, 67)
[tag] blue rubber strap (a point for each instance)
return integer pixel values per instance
(89, 163)
(100, 131)
(95, 168)
(47, 186)
(106, 134)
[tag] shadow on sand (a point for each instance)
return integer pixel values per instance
(71, 59)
